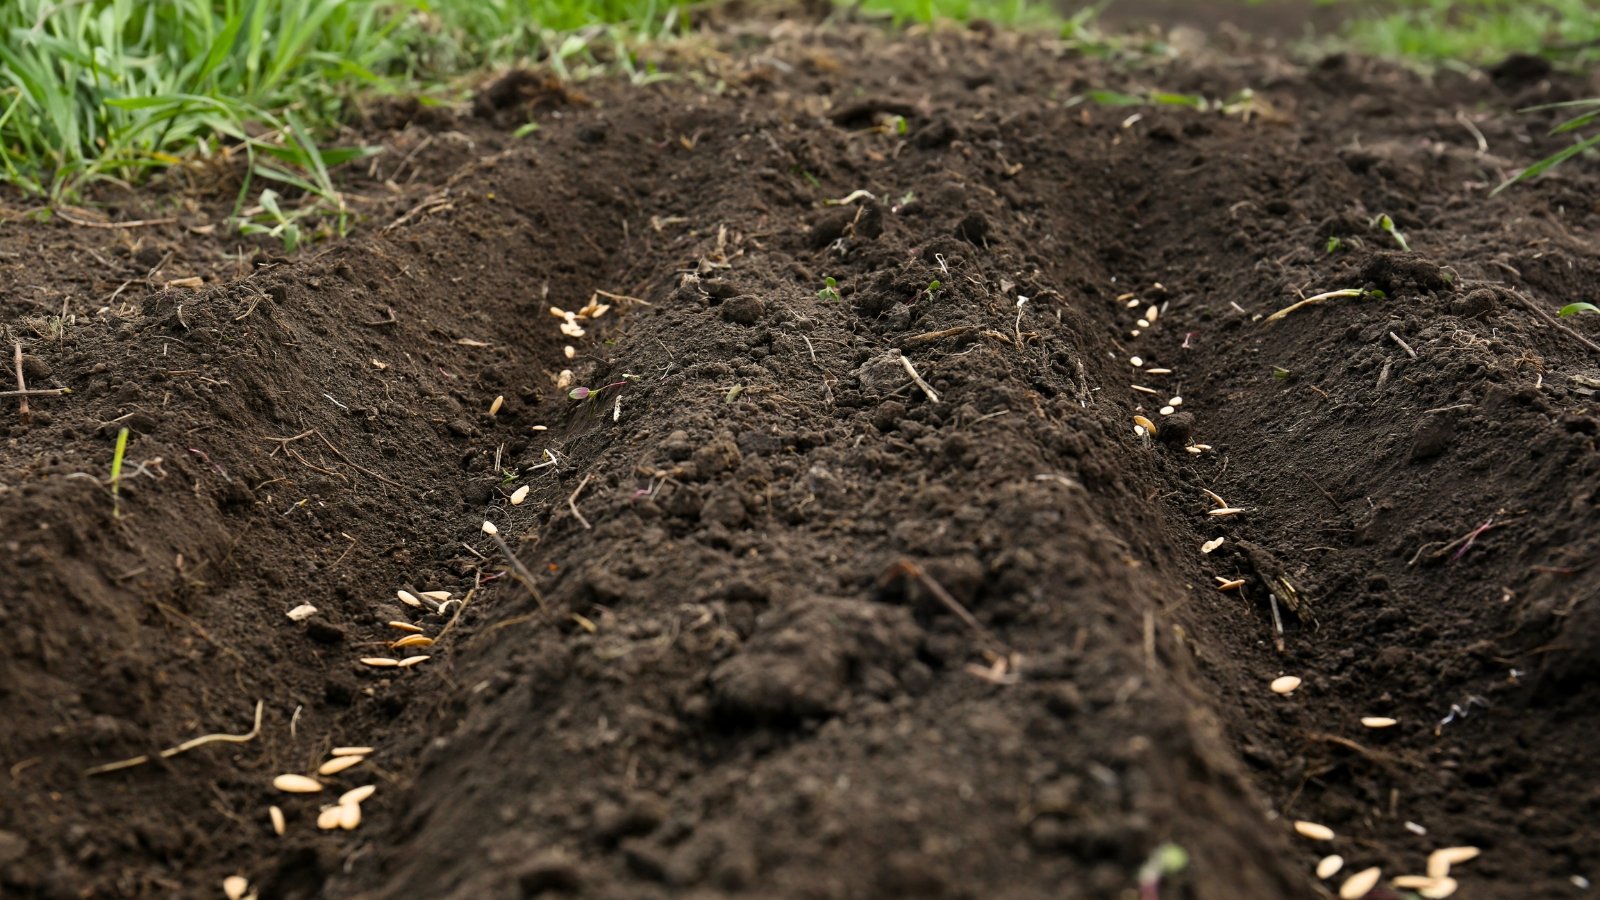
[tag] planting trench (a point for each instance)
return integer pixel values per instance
(732, 682)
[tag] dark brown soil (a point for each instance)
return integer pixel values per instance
(748, 669)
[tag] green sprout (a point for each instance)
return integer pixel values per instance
(1589, 114)
(1383, 222)
(1335, 244)
(1572, 309)
(1280, 373)
(1164, 861)
(830, 290)
(116, 472)
(272, 222)
(932, 290)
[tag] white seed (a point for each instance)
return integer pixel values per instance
(1133, 303)
(405, 626)
(1330, 866)
(1134, 333)
(1414, 828)
(1360, 884)
(330, 817)
(356, 795)
(408, 598)
(569, 351)
(412, 640)
(440, 596)
(1144, 390)
(1213, 544)
(1158, 371)
(519, 495)
(1136, 361)
(564, 380)
(234, 886)
(1288, 684)
(1306, 829)
(494, 408)
(379, 662)
(1440, 861)
(297, 784)
(338, 764)
(1144, 323)
(1441, 888)
(1146, 424)
(1379, 722)
(538, 427)
(410, 661)
(349, 815)
(1176, 401)
(1226, 511)
(302, 612)
(490, 528)
(350, 751)
(1412, 882)
(1231, 585)
(1167, 410)
(1195, 449)
(278, 824)
(1151, 313)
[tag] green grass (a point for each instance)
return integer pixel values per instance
(1479, 31)
(112, 89)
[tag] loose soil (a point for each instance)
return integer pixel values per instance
(788, 625)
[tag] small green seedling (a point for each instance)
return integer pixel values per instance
(1588, 116)
(1384, 223)
(272, 222)
(830, 290)
(1166, 860)
(1572, 309)
(1335, 244)
(116, 472)
(1330, 295)
(900, 125)
(933, 288)
(525, 129)
(1280, 373)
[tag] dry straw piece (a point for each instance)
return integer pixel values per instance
(1379, 721)
(1329, 866)
(330, 817)
(410, 661)
(278, 824)
(350, 751)
(1360, 884)
(234, 886)
(297, 784)
(356, 795)
(1313, 831)
(519, 495)
(405, 626)
(339, 764)
(379, 662)
(1226, 511)
(408, 598)
(1288, 684)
